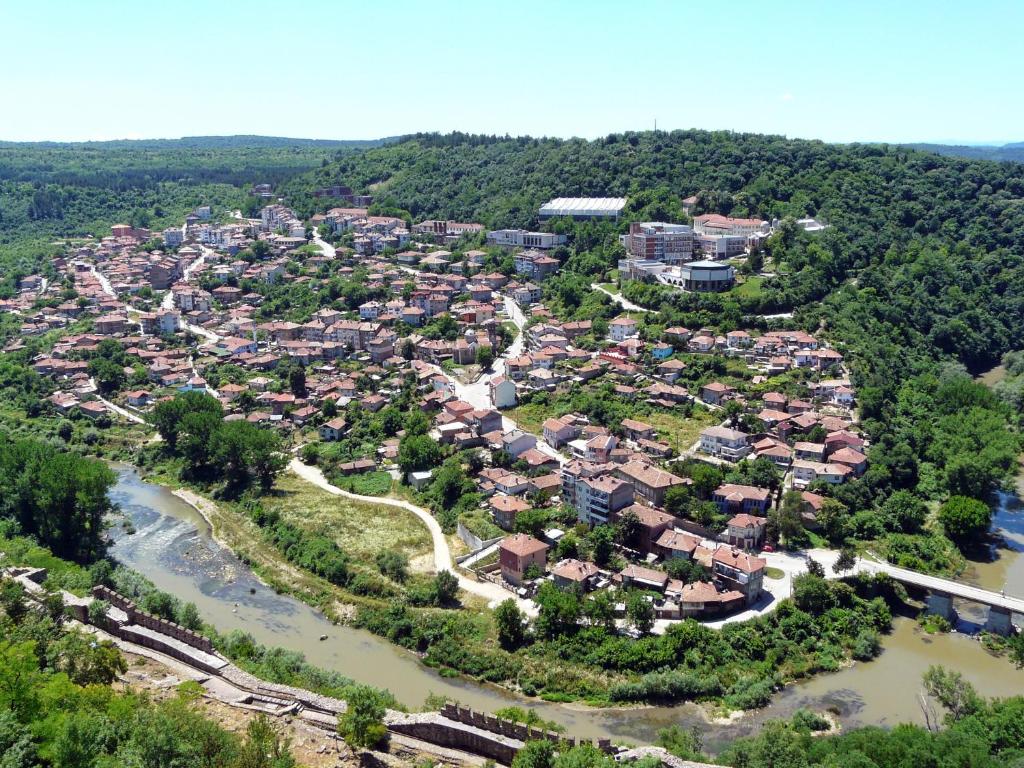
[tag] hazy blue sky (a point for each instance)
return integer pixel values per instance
(841, 71)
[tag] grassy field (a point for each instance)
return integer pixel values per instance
(366, 483)
(677, 430)
(361, 530)
(751, 287)
(531, 416)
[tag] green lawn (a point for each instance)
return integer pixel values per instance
(751, 287)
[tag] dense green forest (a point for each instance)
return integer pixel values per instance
(1005, 153)
(54, 190)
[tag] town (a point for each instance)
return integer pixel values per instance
(457, 312)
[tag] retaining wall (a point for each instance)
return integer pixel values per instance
(473, 541)
(143, 619)
(513, 730)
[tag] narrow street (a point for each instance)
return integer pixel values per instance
(478, 393)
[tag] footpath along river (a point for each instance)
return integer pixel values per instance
(173, 547)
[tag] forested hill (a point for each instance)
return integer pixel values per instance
(879, 201)
(203, 142)
(50, 189)
(879, 194)
(1005, 153)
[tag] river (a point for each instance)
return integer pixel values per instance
(173, 547)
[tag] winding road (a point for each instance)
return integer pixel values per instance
(443, 560)
(478, 394)
(621, 300)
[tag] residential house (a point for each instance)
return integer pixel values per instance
(716, 393)
(502, 392)
(740, 571)
(622, 328)
(517, 553)
(637, 430)
(333, 430)
(733, 498)
(723, 442)
(505, 509)
(558, 432)
(746, 531)
(638, 577)
(517, 442)
(673, 543)
(647, 481)
(575, 574)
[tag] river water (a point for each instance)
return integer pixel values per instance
(173, 547)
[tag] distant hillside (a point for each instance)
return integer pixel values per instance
(1006, 153)
(203, 142)
(69, 188)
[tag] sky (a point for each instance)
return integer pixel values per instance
(836, 70)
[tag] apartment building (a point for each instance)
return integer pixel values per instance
(659, 241)
(535, 264)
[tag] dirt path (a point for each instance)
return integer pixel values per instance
(443, 561)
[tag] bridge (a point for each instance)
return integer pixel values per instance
(942, 591)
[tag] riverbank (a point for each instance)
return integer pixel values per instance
(312, 747)
(173, 547)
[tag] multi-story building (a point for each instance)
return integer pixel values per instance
(720, 247)
(622, 328)
(517, 553)
(701, 276)
(599, 498)
(173, 237)
(724, 442)
(647, 481)
(658, 241)
(733, 498)
(521, 238)
(535, 264)
(716, 224)
(746, 531)
(445, 231)
(738, 570)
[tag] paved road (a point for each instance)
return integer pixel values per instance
(478, 394)
(104, 282)
(948, 586)
(168, 300)
(116, 408)
(325, 248)
(621, 300)
(443, 561)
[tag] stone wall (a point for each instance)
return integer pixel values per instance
(143, 619)
(435, 729)
(511, 729)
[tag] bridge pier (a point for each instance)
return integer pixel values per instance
(999, 621)
(940, 604)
